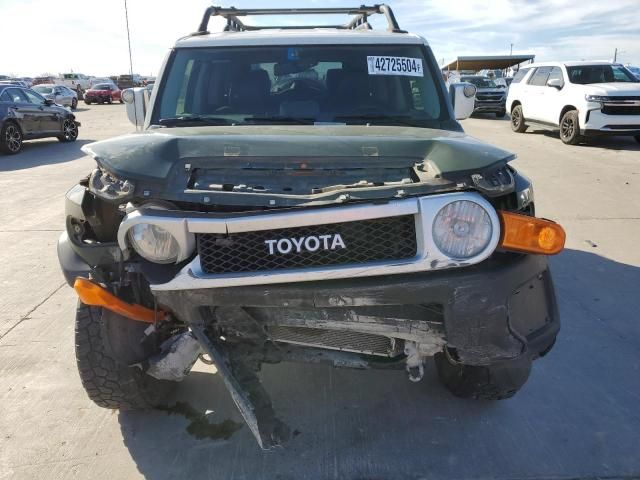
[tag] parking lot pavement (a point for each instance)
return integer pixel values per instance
(577, 417)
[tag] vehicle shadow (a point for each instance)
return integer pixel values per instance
(620, 143)
(489, 116)
(362, 424)
(43, 152)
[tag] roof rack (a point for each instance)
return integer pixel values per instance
(234, 24)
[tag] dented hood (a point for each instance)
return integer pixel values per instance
(184, 160)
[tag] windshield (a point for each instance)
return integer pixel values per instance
(43, 90)
(480, 82)
(355, 84)
(586, 74)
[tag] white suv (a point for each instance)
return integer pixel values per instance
(580, 98)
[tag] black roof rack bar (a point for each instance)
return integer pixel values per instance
(360, 21)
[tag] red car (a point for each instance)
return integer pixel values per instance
(102, 93)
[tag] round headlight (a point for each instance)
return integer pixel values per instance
(462, 229)
(128, 96)
(469, 90)
(154, 243)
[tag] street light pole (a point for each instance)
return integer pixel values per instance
(511, 51)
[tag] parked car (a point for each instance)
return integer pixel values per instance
(28, 81)
(98, 80)
(490, 97)
(45, 80)
(103, 93)
(634, 70)
(345, 217)
(581, 99)
(76, 82)
(60, 94)
(4, 77)
(26, 115)
(19, 83)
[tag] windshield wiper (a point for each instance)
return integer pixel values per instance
(382, 119)
(192, 120)
(281, 119)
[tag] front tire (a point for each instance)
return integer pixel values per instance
(74, 104)
(69, 131)
(494, 382)
(10, 138)
(517, 120)
(106, 345)
(87, 102)
(570, 128)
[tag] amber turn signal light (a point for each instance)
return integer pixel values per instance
(522, 233)
(93, 294)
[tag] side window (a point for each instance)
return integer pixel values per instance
(539, 78)
(17, 96)
(34, 97)
(520, 74)
(5, 97)
(556, 73)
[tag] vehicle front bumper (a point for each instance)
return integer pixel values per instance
(490, 107)
(596, 123)
(500, 309)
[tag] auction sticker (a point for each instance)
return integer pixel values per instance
(395, 66)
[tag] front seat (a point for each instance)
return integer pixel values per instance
(250, 93)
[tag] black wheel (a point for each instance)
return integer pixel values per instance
(10, 138)
(501, 113)
(69, 131)
(570, 128)
(517, 120)
(495, 382)
(87, 102)
(74, 104)
(106, 345)
(637, 137)
(110, 101)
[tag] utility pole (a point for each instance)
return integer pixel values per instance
(615, 55)
(511, 51)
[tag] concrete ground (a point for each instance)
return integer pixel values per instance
(577, 417)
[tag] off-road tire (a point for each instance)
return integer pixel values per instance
(570, 128)
(106, 345)
(11, 139)
(517, 120)
(495, 382)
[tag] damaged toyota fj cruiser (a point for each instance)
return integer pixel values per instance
(304, 195)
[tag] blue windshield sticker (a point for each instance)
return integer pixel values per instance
(293, 54)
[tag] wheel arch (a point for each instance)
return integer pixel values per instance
(565, 109)
(514, 104)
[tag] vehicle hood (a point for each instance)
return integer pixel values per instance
(613, 88)
(292, 159)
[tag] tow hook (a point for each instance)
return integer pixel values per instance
(415, 362)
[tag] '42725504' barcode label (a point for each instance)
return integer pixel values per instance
(395, 66)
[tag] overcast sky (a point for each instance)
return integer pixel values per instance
(90, 36)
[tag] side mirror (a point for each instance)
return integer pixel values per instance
(49, 101)
(555, 83)
(463, 98)
(136, 101)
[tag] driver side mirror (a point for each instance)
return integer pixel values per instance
(48, 102)
(463, 98)
(555, 83)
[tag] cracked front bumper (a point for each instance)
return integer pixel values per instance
(500, 309)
